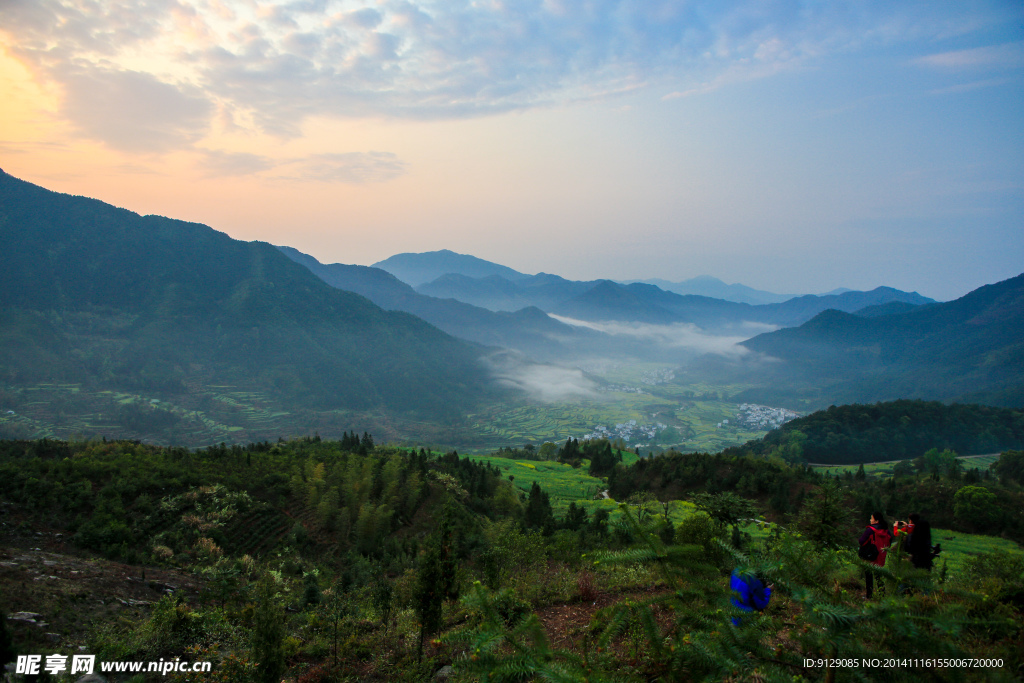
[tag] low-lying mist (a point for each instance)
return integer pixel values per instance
(540, 381)
(684, 337)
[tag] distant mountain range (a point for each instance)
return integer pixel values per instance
(105, 298)
(418, 269)
(705, 285)
(528, 329)
(605, 300)
(446, 274)
(968, 350)
(101, 296)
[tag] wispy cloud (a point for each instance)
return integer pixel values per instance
(969, 87)
(222, 163)
(347, 167)
(351, 167)
(675, 336)
(152, 74)
(1005, 56)
(29, 146)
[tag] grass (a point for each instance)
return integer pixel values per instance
(561, 482)
(565, 484)
(885, 469)
(958, 546)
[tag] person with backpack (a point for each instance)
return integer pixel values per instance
(874, 543)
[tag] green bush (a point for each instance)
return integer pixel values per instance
(701, 530)
(998, 574)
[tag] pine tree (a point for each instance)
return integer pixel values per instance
(268, 633)
(825, 517)
(436, 576)
(538, 511)
(575, 517)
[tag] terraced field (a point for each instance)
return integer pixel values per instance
(645, 393)
(957, 547)
(257, 531)
(693, 411)
(210, 415)
(885, 469)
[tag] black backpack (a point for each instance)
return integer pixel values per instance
(868, 551)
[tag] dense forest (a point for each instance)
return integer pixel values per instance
(322, 560)
(895, 430)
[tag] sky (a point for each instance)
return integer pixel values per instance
(791, 146)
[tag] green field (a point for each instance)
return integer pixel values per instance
(689, 414)
(564, 485)
(207, 415)
(885, 469)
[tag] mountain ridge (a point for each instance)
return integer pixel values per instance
(419, 268)
(148, 301)
(969, 349)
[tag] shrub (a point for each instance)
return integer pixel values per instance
(701, 530)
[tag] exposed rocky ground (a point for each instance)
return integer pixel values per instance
(53, 593)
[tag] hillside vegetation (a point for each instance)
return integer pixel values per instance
(967, 350)
(895, 430)
(100, 296)
(314, 561)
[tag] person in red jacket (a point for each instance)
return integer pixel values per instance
(900, 528)
(876, 534)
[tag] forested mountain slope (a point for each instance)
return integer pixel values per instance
(99, 295)
(970, 349)
(894, 430)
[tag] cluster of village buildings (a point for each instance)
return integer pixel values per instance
(659, 376)
(630, 431)
(753, 416)
(622, 388)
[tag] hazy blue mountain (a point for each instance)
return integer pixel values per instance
(98, 295)
(705, 285)
(492, 292)
(970, 349)
(890, 308)
(545, 291)
(501, 289)
(640, 302)
(610, 301)
(605, 300)
(417, 269)
(527, 329)
(802, 308)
